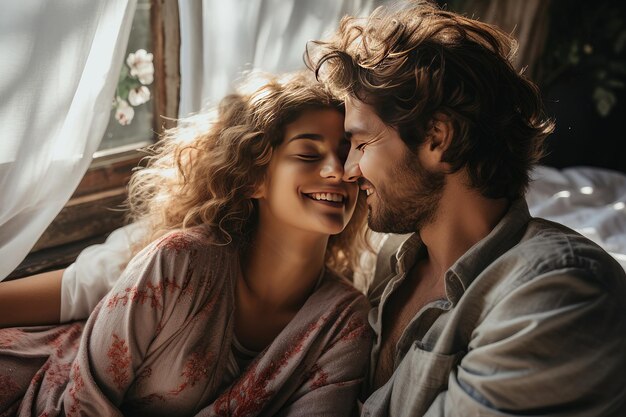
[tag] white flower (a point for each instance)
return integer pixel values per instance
(140, 64)
(139, 95)
(124, 112)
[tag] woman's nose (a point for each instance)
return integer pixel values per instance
(332, 168)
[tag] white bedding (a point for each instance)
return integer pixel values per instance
(591, 201)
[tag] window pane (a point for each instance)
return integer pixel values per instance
(140, 127)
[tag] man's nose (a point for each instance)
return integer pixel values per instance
(351, 169)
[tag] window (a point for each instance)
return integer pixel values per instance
(95, 208)
(138, 130)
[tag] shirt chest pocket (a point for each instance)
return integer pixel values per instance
(420, 376)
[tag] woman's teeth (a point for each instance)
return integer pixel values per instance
(337, 198)
(369, 191)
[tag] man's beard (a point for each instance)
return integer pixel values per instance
(408, 204)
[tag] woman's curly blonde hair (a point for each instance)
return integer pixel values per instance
(204, 171)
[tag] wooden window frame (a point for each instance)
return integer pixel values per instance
(95, 208)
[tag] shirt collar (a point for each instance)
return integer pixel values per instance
(503, 237)
(461, 274)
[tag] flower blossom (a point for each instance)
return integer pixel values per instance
(141, 67)
(124, 113)
(138, 95)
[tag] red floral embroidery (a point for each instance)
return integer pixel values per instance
(143, 375)
(133, 294)
(318, 377)
(355, 329)
(8, 337)
(249, 395)
(120, 361)
(196, 368)
(76, 385)
(171, 285)
(59, 338)
(152, 293)
(58, 373)
(177, 241)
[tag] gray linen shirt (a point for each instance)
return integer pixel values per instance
(533, 323)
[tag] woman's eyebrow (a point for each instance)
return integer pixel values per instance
(311, 136)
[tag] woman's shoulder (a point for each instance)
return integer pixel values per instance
(191, 240)
(194, 247)
(185, 260)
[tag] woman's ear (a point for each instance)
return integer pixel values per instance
(259, 191)
(438, 139)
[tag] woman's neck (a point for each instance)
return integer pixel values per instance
(282, 267)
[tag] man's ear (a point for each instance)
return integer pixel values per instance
(439, 135)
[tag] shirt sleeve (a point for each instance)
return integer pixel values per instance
(554, 346)
(332, 385)
(119, 333)
(95, 272)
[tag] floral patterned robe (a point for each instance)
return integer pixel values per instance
(159, 343)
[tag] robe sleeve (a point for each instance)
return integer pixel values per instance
(121, 329)
(333, 384)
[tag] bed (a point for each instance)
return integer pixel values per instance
(590, 200)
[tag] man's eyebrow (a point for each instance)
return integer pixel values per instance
(310, 136)
(354, 131)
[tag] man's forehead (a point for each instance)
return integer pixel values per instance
(355, 119)
(360, 117)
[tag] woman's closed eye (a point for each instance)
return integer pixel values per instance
(308, 156)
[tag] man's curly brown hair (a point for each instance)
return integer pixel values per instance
(413, 61)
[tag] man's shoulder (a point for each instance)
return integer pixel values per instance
(554, 245)
(547, 248)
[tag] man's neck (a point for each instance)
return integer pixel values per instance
(464, 217)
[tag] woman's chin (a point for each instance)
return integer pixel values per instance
(335, 229)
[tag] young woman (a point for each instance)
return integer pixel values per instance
(238, 305)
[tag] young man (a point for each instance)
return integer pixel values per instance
(482, 310)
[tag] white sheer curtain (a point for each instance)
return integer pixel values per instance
(219, 39)
(59, 64)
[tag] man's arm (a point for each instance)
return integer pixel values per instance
(554, 346)
(32, 300)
